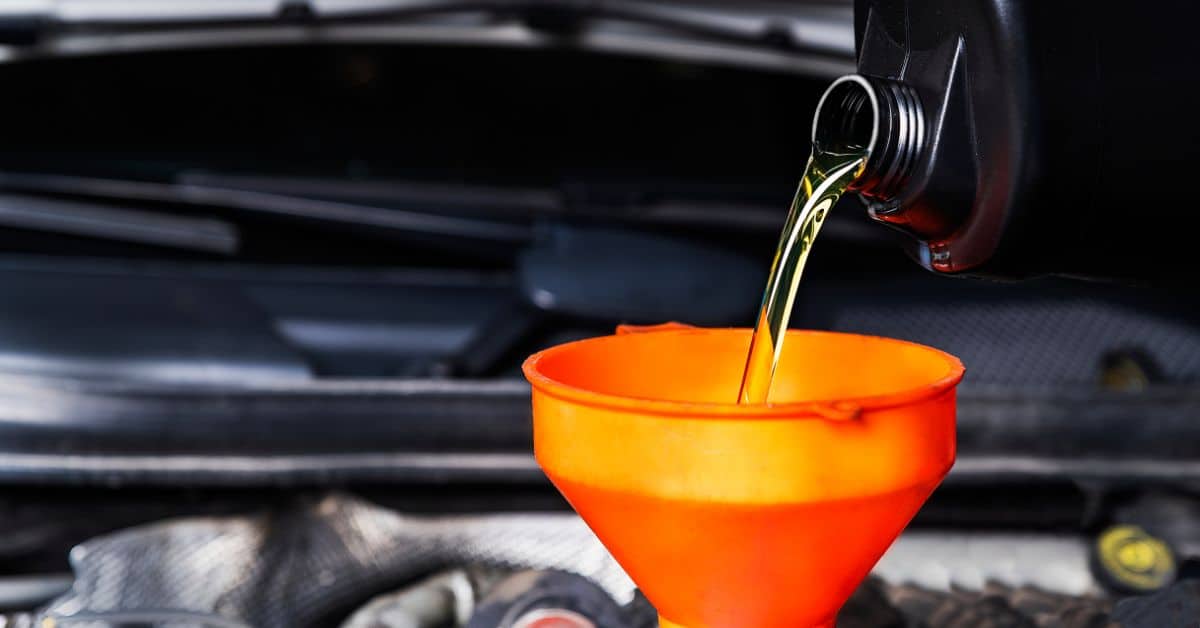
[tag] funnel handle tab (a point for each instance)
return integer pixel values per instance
(836, 411)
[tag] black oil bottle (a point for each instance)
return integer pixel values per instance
(1027, 137)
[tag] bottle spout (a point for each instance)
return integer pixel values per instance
(880, 115)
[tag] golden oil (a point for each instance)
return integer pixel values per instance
(827, 175)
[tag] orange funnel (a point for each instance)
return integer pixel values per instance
(746, 516)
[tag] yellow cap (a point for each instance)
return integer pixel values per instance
(1135, 559)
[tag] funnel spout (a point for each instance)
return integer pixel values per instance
(666, 623)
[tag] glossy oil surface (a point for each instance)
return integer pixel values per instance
(825, 178)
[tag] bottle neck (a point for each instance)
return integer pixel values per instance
(882, 116)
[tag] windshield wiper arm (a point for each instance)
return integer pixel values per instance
(381, 219)
(91, 220)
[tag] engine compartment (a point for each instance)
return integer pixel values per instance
(355, 247)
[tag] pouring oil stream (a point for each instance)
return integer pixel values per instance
(831, 170)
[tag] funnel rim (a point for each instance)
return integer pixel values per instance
(812, 409)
